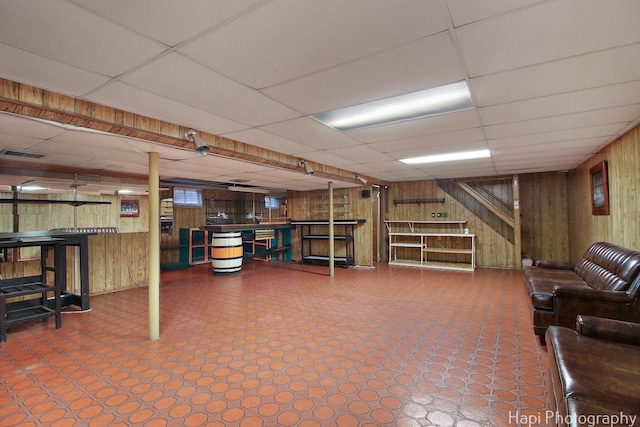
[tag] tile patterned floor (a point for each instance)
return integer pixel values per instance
(285, 345)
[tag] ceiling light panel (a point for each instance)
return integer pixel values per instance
(430, 102)
(448, 157)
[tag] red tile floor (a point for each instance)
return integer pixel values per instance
(285, 345)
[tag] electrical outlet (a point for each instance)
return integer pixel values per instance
(443, 214)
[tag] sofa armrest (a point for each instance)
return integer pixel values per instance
(570, 301)
(555, 265)
(608, 329)
(585, 292)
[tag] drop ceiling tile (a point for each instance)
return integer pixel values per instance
(359, 154)
(285, 40)
(466, 173)
(602, 131)
(413, 128)
(546, 32)
(390, 166)
(311, 133)
(611, 66)
(80, 151)
(391, 177)
(68, 34)
(327, 158)
(467, 11)
(267, 140)
(621, 115)
(374, 77)
(128, 98)
(19, 142)
(24, 67)
(544, 151)
(167, 21)
(429, 141)
(179, 79)
(15, 125)
(555, 105)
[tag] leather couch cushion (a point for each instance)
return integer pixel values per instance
(588, 372)
(540, 283)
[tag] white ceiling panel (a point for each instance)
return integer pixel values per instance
(177, 78)
(577, 27)
(597, 69)
(326, 158)
(311, 133)
(167, 21)
(621, 115)
(430, 141)
(413, 128)
(12, 124)
(602, 131)
(374, 77)
(272, 45)
(126, 97)
(552, 81)
(360, 153)
(21, 66)
(467, 11)
(73, 36)
(18, 142)
(268, 140)
(555, 105)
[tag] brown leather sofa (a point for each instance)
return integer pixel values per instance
(604, 283)
(594, 373)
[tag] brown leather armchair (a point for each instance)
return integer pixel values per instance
(595, 370)
(604, 283)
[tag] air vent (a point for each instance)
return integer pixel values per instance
(17, 153)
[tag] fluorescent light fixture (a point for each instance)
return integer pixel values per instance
(32, 188)
(124, 191)
(429, 102)
(248, 189)
(464, 155)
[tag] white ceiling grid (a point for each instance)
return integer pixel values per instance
(553, 81)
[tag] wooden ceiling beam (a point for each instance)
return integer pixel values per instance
(30, 101)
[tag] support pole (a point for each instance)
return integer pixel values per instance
(331, 242)
(154, 247)
(517, 232)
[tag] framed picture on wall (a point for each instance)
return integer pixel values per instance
(129, 208)
(599, 189)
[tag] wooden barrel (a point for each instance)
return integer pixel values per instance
(226, 252)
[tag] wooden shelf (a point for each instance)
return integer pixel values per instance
(418, 245)
(310, 234)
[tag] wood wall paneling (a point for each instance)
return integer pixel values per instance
(621, 226)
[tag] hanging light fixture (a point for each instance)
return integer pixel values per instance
(202, 149)
(308, 170)
(361, 179)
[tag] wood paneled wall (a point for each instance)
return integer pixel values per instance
(314, 205)
(544, 216)
(492, 250)
(621, 226)
(37, 217)
(116, 261)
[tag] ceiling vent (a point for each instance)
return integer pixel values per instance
(17, 153)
